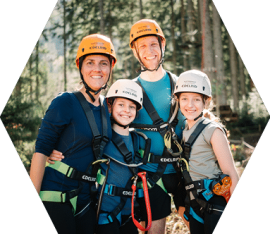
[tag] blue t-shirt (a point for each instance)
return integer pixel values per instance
(118, 175)
(159, 93)
(66, 129)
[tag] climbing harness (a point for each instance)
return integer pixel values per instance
(172, 149)
(194, 205)
(113, 190)
(98, 143)
(147, 202)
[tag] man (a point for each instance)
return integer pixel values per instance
(159, 119)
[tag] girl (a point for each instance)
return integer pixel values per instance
(124, 100)
(207, 159)
(65, 128)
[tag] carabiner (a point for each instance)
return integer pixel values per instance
(185, 161)
(147, 202)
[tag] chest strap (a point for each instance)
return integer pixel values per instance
(99, 141)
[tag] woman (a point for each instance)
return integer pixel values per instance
(65, 127)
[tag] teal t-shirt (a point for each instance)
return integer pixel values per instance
(159, 93)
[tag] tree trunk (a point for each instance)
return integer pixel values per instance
(132, 60)
(141, 10)
(220, 83)
(191, 32)
(173, 39)
(234, 82)
(207, 50)
(65, 46)
(30, 77)
(102, 31)
(242, 78)
(184, 35)
(37, 71)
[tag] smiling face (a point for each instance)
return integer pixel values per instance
(95, 70)
(149, 51)
(191, 105)
(123, 110)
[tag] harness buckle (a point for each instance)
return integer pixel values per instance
(96, 142)
(111, 190)
(63, 196)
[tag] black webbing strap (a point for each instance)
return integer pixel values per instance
(192, 200)
(112, 215)
(122, 148)
(150, 109)
(192, 138)
(99, 141)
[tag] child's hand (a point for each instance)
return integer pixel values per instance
(55, 156)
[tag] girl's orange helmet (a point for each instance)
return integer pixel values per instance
(96, 44)
(144, 27)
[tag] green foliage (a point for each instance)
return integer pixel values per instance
(253, 116)
(22, 122)
(238, 152)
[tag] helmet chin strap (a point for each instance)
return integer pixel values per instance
(143, 66)
(200, 115)
(88, 90)
(113, 121)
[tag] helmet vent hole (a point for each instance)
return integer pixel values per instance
(82, 49)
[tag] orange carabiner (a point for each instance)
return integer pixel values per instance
(147, 202)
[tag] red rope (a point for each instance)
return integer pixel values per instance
(147, 202)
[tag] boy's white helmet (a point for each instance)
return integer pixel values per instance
(193, 81)
(125, 88)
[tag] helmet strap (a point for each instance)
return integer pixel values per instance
(140, 61)
(200, 115)
(113, 121)
(89, 89)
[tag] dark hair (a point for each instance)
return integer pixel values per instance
(112, 99)
(81, 59)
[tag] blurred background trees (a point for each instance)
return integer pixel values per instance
(196, 38)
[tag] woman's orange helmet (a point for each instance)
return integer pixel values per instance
(144, 27)
(96, 44)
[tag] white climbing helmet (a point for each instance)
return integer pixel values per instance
(126, 89)
(193, 81)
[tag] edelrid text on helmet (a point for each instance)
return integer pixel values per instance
(96, 44)
(145, 27)
(193, 81)
(126, 89)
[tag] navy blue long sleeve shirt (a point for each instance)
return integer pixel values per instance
(66, 129)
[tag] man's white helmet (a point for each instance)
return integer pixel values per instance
(125, 88)
(193, 81)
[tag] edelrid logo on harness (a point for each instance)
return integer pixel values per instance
(85, 177)
(150, 129)
(169, 159)
(128, 193)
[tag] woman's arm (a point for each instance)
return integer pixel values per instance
(224, 156)
(37, 169)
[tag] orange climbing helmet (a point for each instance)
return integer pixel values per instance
(96, 44)
(145, 27)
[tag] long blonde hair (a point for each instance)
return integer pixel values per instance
(208, 114)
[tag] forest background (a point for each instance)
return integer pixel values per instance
(196, 38)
